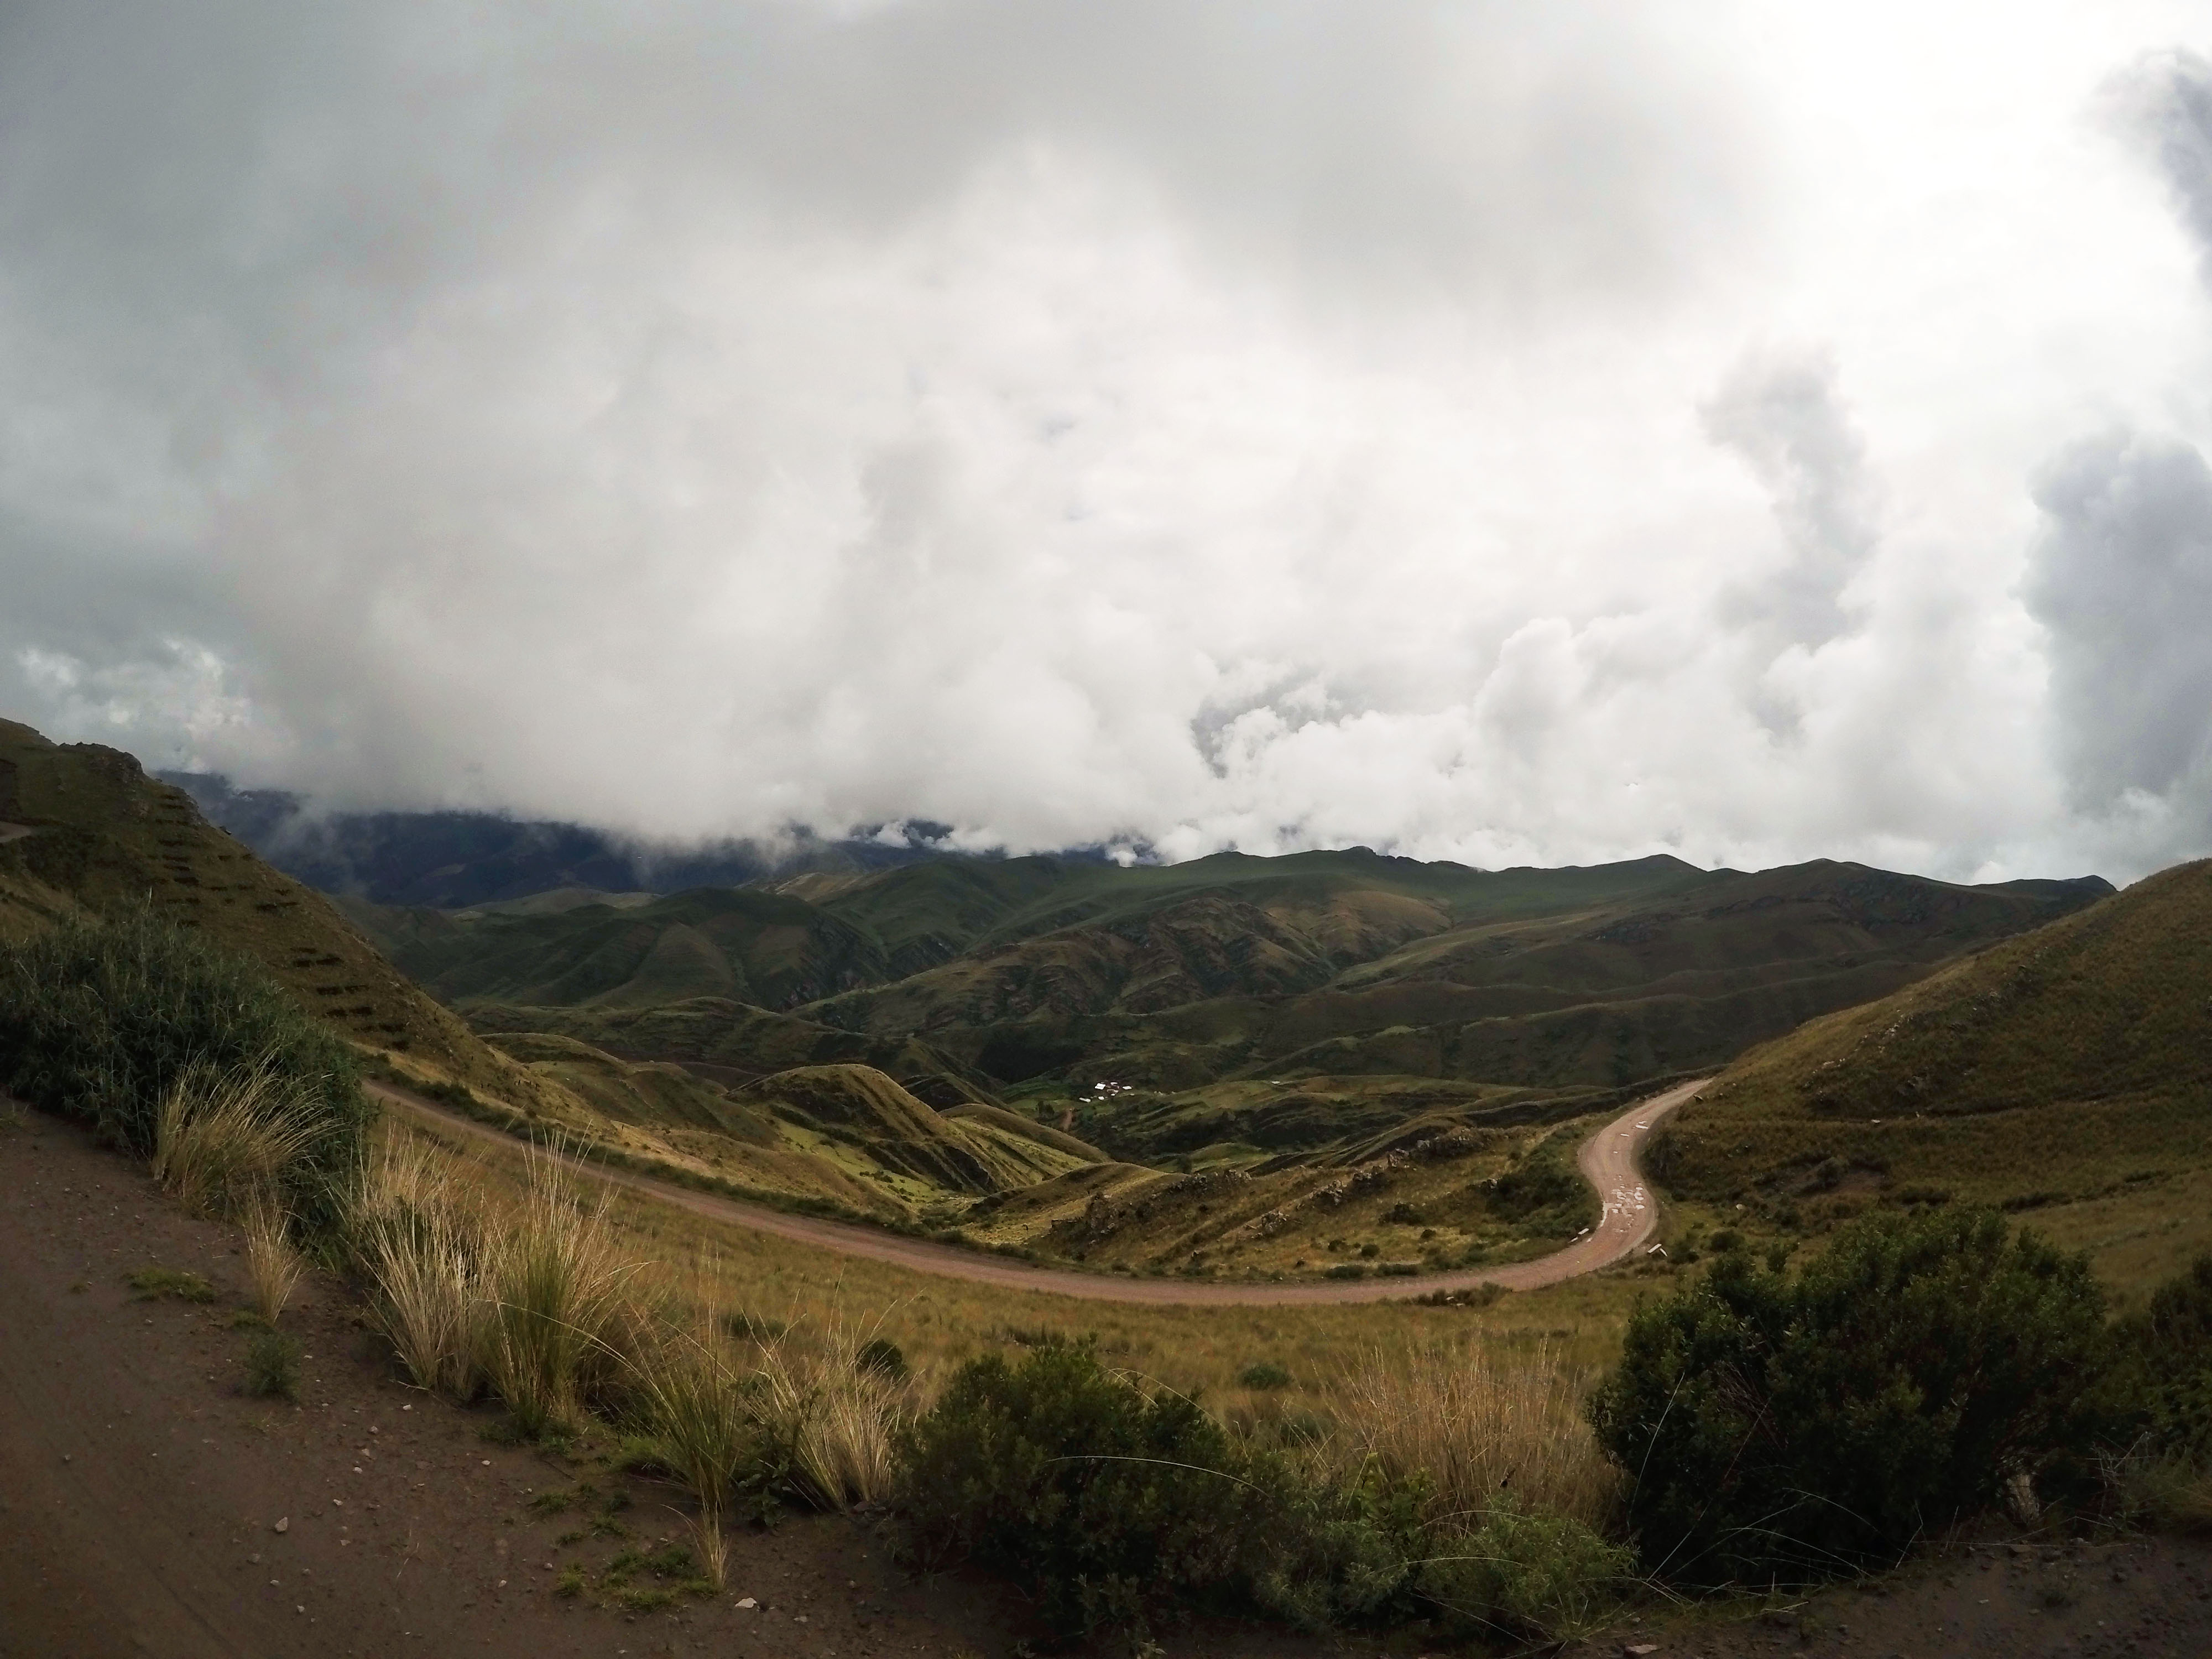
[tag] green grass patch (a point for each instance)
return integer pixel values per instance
(170, 1284)
(272, 1366)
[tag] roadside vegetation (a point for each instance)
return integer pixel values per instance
(1764, 1421)
(179, 1051)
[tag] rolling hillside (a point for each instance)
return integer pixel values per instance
(84, 831)
(2065, 1074)
(1061, 973)
(104, 837)
(1326, 1062)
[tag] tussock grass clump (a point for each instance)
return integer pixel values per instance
(840, 1415)
(1473, 1426)
(273, 1266)
(536, 1297)
(695, 1395)
(104, 1020)
(418, 1237)
(563, 1302)
(226, 1142)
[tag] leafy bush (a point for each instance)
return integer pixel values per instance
(102, 1020)
(1106, 1502)
(2168, 1351)
(1113, 1505)
(1264, 1374)
(1804, 1427)
(1543, 1192)
(881, 1357)
(1543, 1576)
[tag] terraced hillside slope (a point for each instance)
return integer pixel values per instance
(2066, 1074)
(103, 836)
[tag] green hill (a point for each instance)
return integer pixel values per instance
(2066, 1072)
(1182, 977)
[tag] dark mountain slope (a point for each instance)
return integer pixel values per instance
(456, 860)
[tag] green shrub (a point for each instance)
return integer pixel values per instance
(1264, 1374)
(1543, 1193)
(881, 1357)
(1544, 1577)
(100, 1020)
(2168, 1365)
(1803, 1428)
(1111, 1505)
(1106, 1503)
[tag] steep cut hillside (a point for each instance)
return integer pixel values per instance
(102, 836)
(2067, 1071)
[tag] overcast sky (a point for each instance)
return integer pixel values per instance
(1520, 434)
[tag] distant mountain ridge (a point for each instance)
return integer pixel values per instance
(458, 859)
(1173, 978)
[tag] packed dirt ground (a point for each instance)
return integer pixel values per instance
(143, 1491)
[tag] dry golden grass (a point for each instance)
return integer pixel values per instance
(693, 1265)
(692, 1390)
(223, 1141)
(564, 1305)
(418, 1233)
(843, 1419)
(529, 1288)
(273, 1266)
(1477, 1425)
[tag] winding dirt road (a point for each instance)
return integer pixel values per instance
(1607, 1161)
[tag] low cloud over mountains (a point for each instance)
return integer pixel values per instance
(1503, 435)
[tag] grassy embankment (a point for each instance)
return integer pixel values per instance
(2064, 1076)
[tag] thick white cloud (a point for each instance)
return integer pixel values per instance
(1515, 435)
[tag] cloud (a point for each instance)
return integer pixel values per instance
(2165, 104)
(1780, 413)
(1167, 424)
(2123, 578)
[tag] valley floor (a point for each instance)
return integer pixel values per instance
(1608, 1161)
(141, 1490)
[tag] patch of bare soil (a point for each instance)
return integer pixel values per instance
(142, 1489)
(2025, 1598)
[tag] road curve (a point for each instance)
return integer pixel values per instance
(1607, 1161)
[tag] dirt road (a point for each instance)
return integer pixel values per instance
(1607, 1160)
